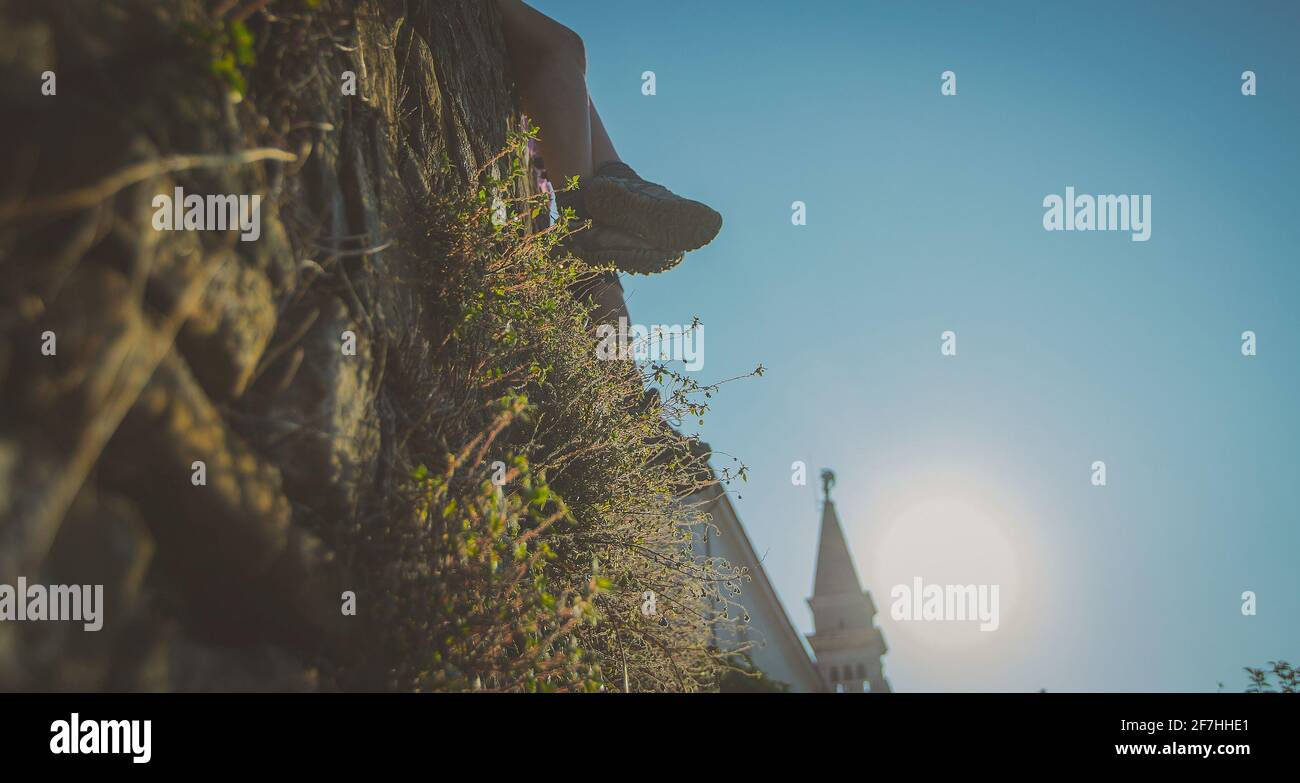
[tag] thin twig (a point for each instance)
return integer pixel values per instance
(135, 173)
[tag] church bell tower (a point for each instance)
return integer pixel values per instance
(845, 639)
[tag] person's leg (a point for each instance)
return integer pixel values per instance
(602, 148)
(604, 292)
(550, 69)
(549, 64)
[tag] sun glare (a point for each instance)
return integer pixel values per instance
(944, 568)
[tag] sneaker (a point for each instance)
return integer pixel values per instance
(617, 196)
(599, 245)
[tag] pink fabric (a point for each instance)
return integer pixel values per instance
(539, 172)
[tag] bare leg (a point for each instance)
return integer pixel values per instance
(637, 225)
(550, 69)
(602, 149)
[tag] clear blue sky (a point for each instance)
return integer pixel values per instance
(924, 215)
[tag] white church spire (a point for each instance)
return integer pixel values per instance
(845, 639)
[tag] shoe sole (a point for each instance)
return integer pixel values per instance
(675, 224)
(639, 261)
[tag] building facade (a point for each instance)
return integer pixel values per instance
(846, 646)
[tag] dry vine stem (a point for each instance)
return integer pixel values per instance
(90, 195)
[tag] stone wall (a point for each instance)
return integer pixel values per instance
(177, 347)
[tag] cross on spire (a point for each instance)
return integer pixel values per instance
(828, 481)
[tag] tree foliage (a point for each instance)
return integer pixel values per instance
(1280, 677)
